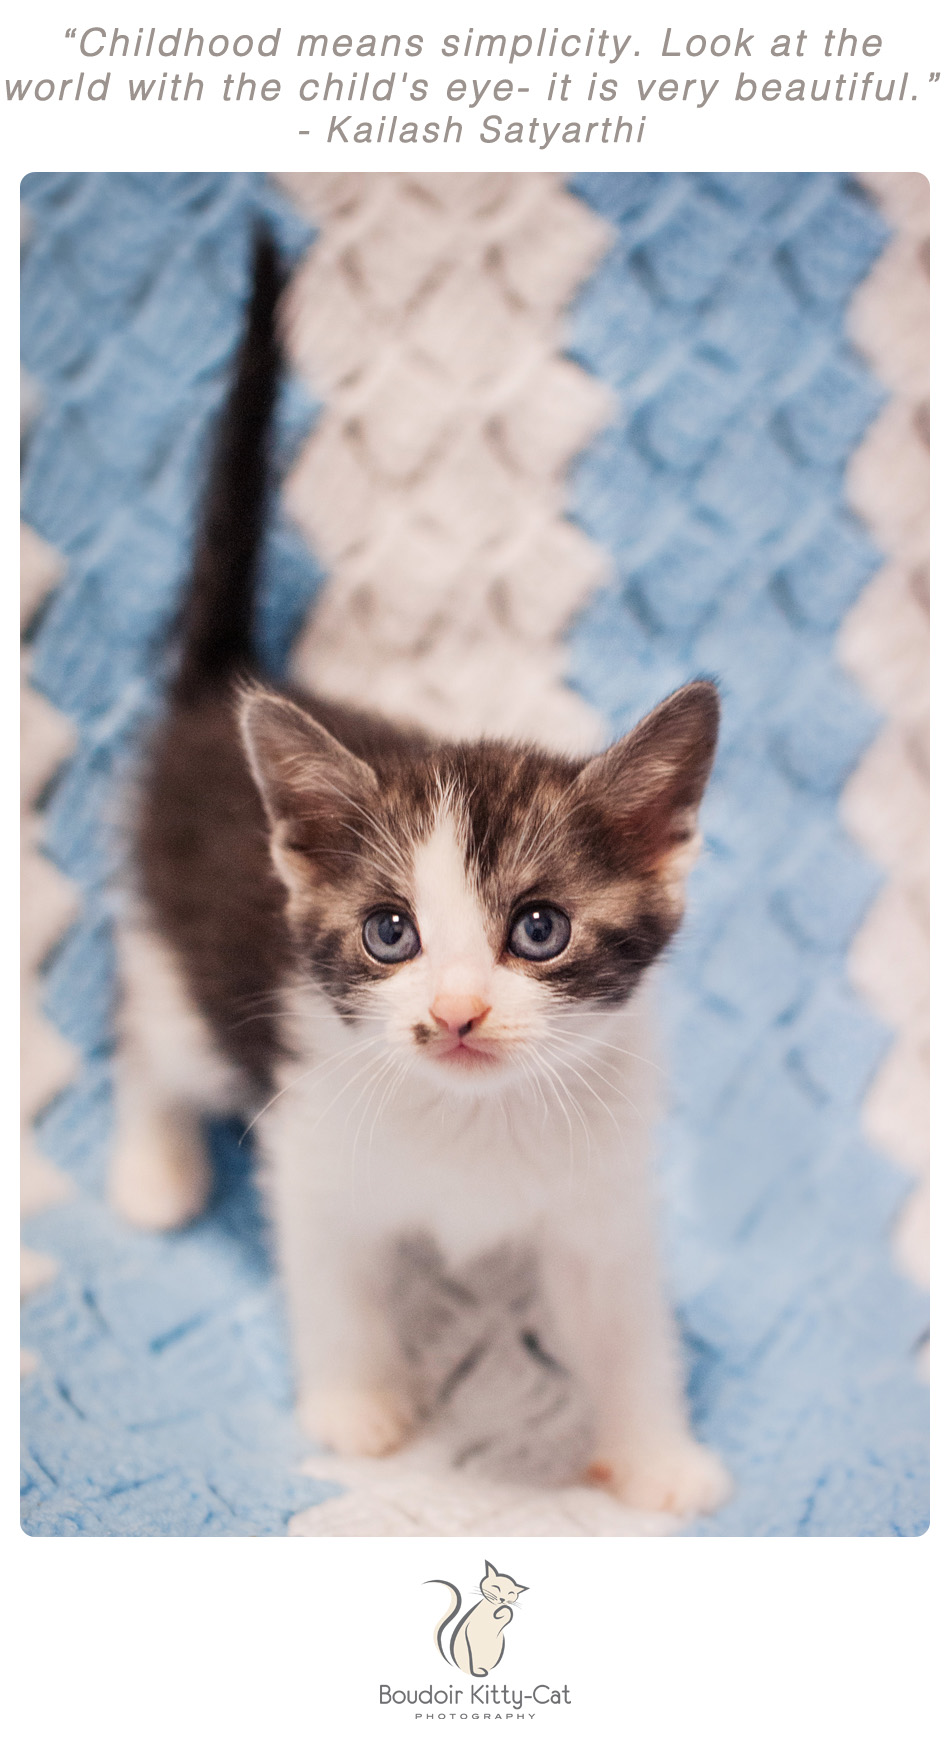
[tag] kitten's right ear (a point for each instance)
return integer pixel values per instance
(308, 782)
(649, 784)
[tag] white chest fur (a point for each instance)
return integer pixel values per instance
(358, 1143)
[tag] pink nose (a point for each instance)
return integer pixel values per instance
(458, 1013)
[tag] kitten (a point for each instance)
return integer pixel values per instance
(418, 966)
(478, 1641)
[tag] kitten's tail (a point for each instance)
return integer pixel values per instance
(444, 1623)
(216, 625)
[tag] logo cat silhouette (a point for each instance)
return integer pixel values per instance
(477, 1643)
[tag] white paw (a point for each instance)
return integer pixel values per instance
(676, 1478)
(160, 1177)
(355, 1420)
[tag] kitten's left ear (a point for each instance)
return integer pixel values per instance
(312, 787)
(489, 1570)
(651, 782)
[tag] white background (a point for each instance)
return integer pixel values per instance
(658, 1640)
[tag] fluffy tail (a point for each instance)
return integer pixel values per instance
(444, 1623)
(216, 625)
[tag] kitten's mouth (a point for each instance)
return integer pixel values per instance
(465, 1053)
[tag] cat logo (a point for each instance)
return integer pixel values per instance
(477, 1642)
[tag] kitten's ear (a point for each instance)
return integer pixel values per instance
(308, 782)
(490, 1570)
(651, 782)
(520, 1590)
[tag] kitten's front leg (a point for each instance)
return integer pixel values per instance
(351, 1392)
(352, 1419)
(618, 1334)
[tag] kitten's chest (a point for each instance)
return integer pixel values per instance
(471, 1177)
(469, 1220)
(470, 1197)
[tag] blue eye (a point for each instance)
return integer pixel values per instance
(539, 932)
(390, 936)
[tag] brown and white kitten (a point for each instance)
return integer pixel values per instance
(418, 966)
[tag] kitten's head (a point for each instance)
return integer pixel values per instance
(499, 1589)
(468, 898)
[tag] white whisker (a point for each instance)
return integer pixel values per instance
(572, 1066)
(557, 1085)
(610, 1083)
(310, 1072)
(602, 1042)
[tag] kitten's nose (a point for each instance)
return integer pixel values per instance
(459, 1013)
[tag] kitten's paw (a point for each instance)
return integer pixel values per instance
(160, 1176)
(677, 1478)
(355, 1420)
